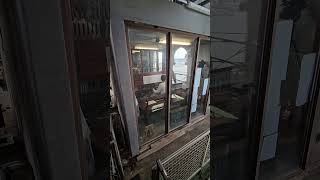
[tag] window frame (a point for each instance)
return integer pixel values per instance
(169, 65)
(207, 92)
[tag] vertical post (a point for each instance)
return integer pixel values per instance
(169, 79)
(262, 72)
(53, 126)
(74, 85)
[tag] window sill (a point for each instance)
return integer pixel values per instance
(154, 146)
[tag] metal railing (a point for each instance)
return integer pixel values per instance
(187, 162)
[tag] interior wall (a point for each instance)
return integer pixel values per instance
(155, 12)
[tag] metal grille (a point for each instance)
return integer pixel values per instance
(188, 160)
(90, 19)
(207, 156)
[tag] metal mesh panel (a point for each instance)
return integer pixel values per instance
(188, 160)
(207, 157)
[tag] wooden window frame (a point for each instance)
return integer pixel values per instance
(169, 65)
(207, 92)
(194, 63)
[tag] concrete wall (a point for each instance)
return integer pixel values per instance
(161, 13)
(156, 12)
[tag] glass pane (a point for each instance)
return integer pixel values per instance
(183, 51)
(236, 31)
(148, 47)
(201, 80)
(296, 37)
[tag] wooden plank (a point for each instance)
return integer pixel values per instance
(160, 144)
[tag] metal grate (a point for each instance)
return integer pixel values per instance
(207, 156)
(188, 160)
(90, 19)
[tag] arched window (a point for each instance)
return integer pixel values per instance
(180, 54)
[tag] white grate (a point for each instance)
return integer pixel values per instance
(188, 160)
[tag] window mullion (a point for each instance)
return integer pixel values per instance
(169, 67)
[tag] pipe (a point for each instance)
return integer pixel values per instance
(185, 2)
(198, 8)
(195, 7)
